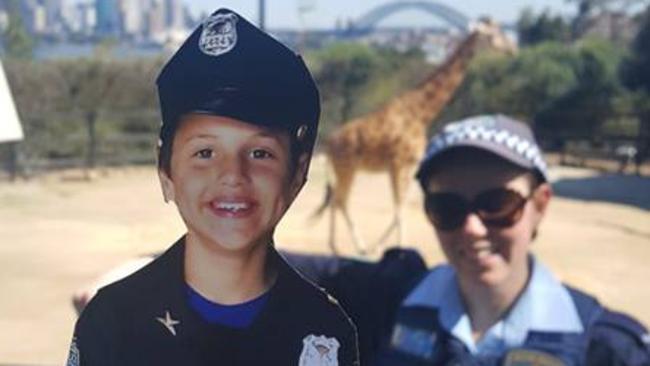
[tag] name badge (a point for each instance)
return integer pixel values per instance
(524, 357)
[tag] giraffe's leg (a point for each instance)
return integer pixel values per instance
(356, 238)
(344, 177)
(393, 174)
(399, 179)
(332, 232)
(384, 236)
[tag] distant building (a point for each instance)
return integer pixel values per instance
(54, 23)
(614, 26)
(34, 16)
(109, 22)
(175, 14)
(132, 18)
(155, 20)
(4, 20)
(87, 16)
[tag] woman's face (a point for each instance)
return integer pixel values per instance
(232, 181)
(481, 253)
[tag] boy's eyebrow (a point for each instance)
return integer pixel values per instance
(201, 136)
(262, 134)
(268, 134)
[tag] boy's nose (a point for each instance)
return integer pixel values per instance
(232, 172)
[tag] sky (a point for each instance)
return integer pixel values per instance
(325, 13)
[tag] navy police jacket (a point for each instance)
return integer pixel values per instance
(145, 319)
(409, 316)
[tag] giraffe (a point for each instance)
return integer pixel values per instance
(393, 137)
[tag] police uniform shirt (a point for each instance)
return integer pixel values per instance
(544, 306)
(145, 319)
(549, 324)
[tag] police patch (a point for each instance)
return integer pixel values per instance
(420, 343)
(525, 357)
(219, 34)
(319, 351)
(73, 355)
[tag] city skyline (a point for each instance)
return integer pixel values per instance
(137, 20)
(327, 14)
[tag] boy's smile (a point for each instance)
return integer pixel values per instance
(232, 181)
(233, 207)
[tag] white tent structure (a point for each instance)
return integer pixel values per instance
(10, 129)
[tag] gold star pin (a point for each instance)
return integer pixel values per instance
(168, 322)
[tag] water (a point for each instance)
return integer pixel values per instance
(50, 51)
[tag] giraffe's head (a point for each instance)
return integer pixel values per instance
(491, 36)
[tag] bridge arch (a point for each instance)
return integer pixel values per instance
(452, 16)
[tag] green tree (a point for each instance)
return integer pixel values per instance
(590, 103)
(534, 29)
(355, 79)
(342, 70)
(520, 86)
(635, 73)
(88, 84)
(16, 41)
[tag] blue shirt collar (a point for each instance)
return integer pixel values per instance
(544, 306)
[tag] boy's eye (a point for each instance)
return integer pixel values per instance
(204, 153)
(261, 154)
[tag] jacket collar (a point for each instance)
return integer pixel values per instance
(544, 306)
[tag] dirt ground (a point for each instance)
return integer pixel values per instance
(60, 232)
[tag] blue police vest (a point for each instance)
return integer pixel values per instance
(418, 339)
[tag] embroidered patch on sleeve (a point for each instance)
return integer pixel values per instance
(415, 342)
(73, 355)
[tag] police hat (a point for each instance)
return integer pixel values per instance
(228, 67)
(505, 137)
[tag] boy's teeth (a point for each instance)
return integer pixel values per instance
(232, 206)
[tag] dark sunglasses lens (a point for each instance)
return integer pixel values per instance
(500, 207)
(447, 211)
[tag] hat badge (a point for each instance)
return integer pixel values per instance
(219, 34)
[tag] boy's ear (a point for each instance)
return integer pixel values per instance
(167, 186)
(300, 175)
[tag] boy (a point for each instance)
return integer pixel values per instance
(240, 113)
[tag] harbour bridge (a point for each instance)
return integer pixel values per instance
(367, 22)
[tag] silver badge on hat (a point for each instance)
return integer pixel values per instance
(301, 132)
(219, 34)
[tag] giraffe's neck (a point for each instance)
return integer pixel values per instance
(435, 91)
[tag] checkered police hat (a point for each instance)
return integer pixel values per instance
(229, 67)
(503, 136)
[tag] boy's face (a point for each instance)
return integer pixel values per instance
(483, 253)
(231, 181)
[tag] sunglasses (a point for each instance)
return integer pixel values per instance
(499, 207)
